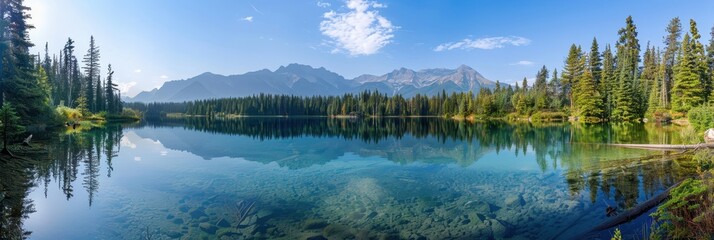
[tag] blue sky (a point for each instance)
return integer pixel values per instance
(150, 42)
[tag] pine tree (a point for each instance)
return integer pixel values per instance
(649, 71)
(82, 105)
(45, 85)
(91, 72)
(10, 125)
(629, 102)
(110, 87)
(589, 104)
(674, 31)
(700, 60)
(99, 101)
(595, 62)
(571, 72)
(710, 62)
(687, 89)
(20, 86)
(555, 91)
(608, 82)
(541, 89)
(625, 107)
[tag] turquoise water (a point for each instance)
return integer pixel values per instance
(340, 179)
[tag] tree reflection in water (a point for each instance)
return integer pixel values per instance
(588, 168)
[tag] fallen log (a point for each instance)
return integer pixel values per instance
(666, 146)
(630, 214)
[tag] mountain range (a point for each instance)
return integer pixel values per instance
(304, 80)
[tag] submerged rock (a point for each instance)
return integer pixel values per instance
(223, 223)
(197, 213)
(498, 229)
(318, 237)
(515, 201)
(314, 224)
(178, 221)
(207, 227)
(481, 207)
(335, 231)
(228, 232)
(174, 234)
(264, 213)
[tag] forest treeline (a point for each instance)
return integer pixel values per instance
(39, 89)
(617, 83)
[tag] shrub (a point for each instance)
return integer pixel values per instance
(688, 213)
(68, 114)
(701, 117)
(130, 113)
(549, 116)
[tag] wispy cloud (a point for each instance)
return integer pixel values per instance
(247, 19)
(484, 43)
(523, 63)
(323, 4)
(137, 70)
(124, 87)
(164, 77)
(360, 31)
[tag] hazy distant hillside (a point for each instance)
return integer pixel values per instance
(303, 80)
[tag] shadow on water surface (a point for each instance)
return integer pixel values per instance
(444, 178)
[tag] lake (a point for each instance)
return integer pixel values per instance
(300, 178)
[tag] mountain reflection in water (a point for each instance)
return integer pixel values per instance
(569, 154)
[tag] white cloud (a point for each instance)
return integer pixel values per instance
(124, 87)
(164, 77)
(137, 70)
(137, 158)
(247, 19)
(360, 31)
(323, 4)
(523, 63)
(484, 43)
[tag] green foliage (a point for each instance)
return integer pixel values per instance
(687, 89)
(10, 126)
(701, 117)
(589, 101)
(68, 114)
(549, 116)
(608, 81)
(617, 235)
(689, 135)
(131, 113)
(44, 84)
(704, 159)
(687, 214)
(81, 105)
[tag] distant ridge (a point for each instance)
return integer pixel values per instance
(304, 80)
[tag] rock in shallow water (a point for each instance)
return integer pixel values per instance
(499, 229)
(515, 201)
(207, 227)
(197, 213)
(314, 224)
(223, 223)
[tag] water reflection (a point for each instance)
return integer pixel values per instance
(403, 139)
(541, 156)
